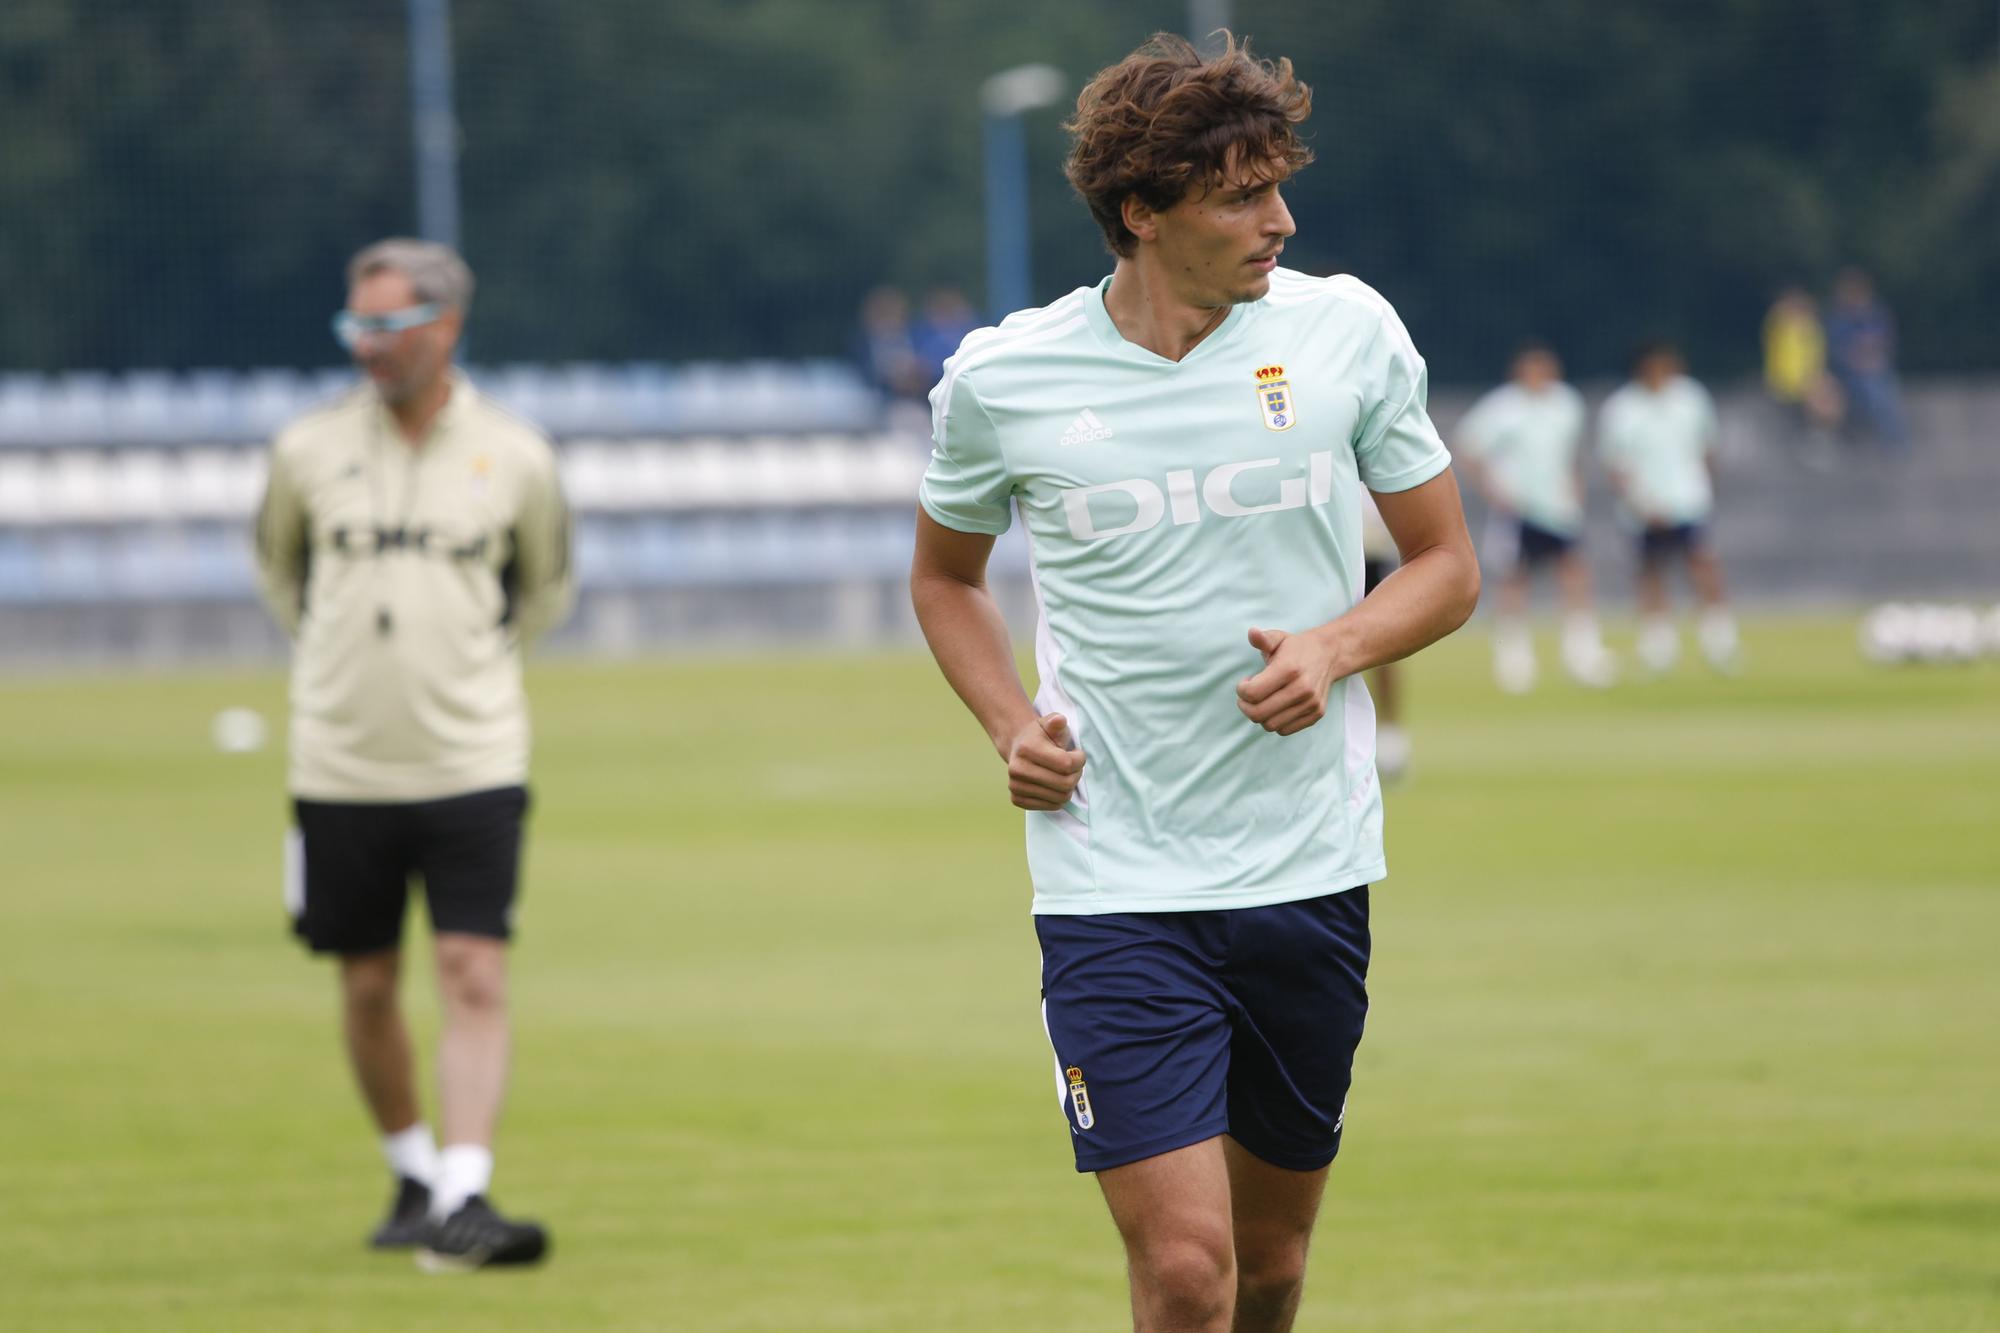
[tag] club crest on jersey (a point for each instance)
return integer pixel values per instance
(1274, 396)
(1079, 1097)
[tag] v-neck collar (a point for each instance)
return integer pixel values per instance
(1107, 332)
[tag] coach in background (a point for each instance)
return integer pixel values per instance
(412, 538)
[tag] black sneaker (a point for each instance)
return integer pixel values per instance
(477, 1237)
(404, 1226)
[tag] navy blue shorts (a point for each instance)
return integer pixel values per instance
(1539, 545)
(1170, 1028)
(1668, 541)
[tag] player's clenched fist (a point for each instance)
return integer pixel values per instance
(1043, 764)
(1289, 694)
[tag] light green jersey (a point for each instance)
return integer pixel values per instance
(1658, 444)
(1528, 442)
(1171, 507)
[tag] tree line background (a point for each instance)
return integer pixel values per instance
(182, 180)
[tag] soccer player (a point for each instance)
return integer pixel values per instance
(412, 538)
(1657, 438)
(1185, 442)
(1519, 443)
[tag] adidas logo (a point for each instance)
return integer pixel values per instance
(1084, 429)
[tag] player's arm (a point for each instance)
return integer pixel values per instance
(968, 636)
(1711, 436)
(544, 580)
(280, 540)
(1430, 594)
(1611, 453)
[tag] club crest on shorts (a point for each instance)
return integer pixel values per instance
(1079, 1097)
(1274, 396)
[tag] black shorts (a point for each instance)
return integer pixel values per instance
(1373, 571)
(1170, 1028)
(348, 867)
(1668, 541)
(1540, 545)
(1514, 543)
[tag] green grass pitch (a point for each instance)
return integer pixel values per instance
(1687, 1017)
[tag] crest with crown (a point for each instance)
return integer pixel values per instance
(1265, 374)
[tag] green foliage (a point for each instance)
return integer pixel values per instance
(182, 180)
(1682, 1022)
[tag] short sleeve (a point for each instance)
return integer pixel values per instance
(966, 486)
(1395, 445)
(1710, 427)
(1574, 416)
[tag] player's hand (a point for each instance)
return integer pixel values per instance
(1043, 764)
(1289, 694)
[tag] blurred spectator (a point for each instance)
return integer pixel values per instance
(887, 349)
(1519, 445)
(1657, 437)
(947, 318)
(1861, 342)
(1795, 374)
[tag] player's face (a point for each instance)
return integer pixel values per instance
(1658, 368)
(1536, 371)
(1219, 245)
(403, 364)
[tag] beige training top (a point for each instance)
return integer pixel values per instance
(409, 577)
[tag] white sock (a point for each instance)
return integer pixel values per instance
(1392, 752)
(1513, 657)
(464, 1169)
(413, 1153)
(1718, 636)
(1659, 644)
(1580, 634)
(1584, 652)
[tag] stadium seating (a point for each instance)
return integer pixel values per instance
(140, 487)
(118, 491)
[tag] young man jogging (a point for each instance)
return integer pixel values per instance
(1185, 442)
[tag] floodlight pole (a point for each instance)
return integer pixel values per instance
(433, 127)
(1205, 19)
(1003, 99)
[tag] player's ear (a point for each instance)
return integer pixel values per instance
(1139, 219)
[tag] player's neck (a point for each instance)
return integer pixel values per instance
(414, 415)
(1148, 314)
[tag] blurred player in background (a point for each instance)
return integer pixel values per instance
(1186, 442)
(1521, 443)
(412, 538)
(1385, 682)
(1657, 438)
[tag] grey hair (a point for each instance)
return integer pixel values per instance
(435, 270)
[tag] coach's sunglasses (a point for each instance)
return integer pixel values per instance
(351, 328)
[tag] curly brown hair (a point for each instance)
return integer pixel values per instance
(1164, 121)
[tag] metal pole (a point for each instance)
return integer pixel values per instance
(433, 127)
(1003, 99)
(1008, 285)
(1205, 18)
